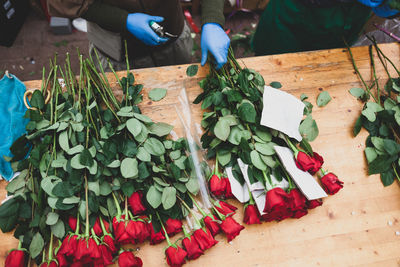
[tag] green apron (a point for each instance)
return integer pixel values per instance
(289, 26)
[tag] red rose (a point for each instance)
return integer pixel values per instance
(51, 264)
(277, 203)
(109, 242)
(72, 221)
(127, 259)
(307, 163)
(69, 245)
(82, 249)
(120, 233)
(136, 203)
(225, 208)
(298, 204)
(106, 254)
(138, 231)
(228, 191)
(212, 225)
(311, 204)
(217, 185)
(231, 228)
(76, 264)
(331, 183)
(175, 256)
(192, 248)
(94, 249)
(173, 226)
(204, 238)
(62, 261)
(155, 238)
(251, 215)
(16, 258)
(97, 227)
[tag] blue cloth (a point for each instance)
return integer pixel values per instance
(12, 121)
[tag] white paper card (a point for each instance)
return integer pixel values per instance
(282, 112)
(306, 183)
(240, 192)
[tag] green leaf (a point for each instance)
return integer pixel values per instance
(223, 158)
(359, 93)
(357, 126)
(379, 144)
(134, 126)
(303, 97)
(37, 100)
(397, 117)
(370, 154)
(222, 130)
(323, 99)
(153, 197)
(160, 129)
(63, 189)
(17, 183)
(247, 112)
(143, 155)
(168, 197)
(265, 149)
(36, 245)
(391, 147)
(192, 70)
(264, 135)
(52, 218)
(94, 187)
(85, 158)
(75, 162)
(387, 178)
(309, 129)
(380, 164)
(105, 188)
(369, 114)
(276, 85)
(114, 164)
(63, 141)
(154, 146)
(389, 104)
(129, 168)
(257, 161)
(142, 118)
(58, 229)
(157, 94)
(193, 185)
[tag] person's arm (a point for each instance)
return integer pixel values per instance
(213, 37)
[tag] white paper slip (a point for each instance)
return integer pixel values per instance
(306, 183)
(257, 189)
(282, 112)
(241, 192)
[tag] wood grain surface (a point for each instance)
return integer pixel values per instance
(355, 227)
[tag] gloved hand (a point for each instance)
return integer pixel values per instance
(215, 41)
(139, 25)
(380, 7)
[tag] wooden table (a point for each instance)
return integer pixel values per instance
(355, 227)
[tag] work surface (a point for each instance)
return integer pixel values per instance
(355, 227)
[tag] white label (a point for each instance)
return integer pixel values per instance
(241, 192)
(282, 112)
(305, 181)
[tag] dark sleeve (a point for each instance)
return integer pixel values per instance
(212, 11)
(68, 8)
(108, 17)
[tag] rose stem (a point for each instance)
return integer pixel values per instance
(268, 183)
(165, 232)
(391, 34)
(190, 210)
(374, 72)
(117, 205)
(197, 205)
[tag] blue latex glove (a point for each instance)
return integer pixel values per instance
(12, 121)
(380, 8)
(139, 25)
(215, 41)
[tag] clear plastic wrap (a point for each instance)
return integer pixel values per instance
(391, 25)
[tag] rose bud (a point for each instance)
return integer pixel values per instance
(155, 238)
(93, 248)
(192, 248)
(175, 256)
(225, 208)
(231, 228)
(318, 162)
(228, 190)
(120, 233)
(109, 242)
(72, 221)
(136, 203)
(331, 183)
(173, 226)
(204, 238)
(217, 185)
(127, 259)
(62, 261)
(311, 204)
(304, 161)
(138, 231)
(69, 245)
(16, 258)
(298, 203)
(251, 215)
(277, 203)
(51, 264)
(212, 225)
(97, 228)
(106, 255)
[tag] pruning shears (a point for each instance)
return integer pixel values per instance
(160, 30)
